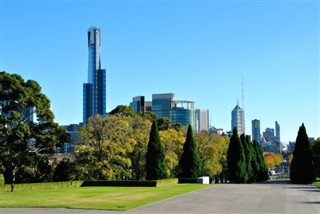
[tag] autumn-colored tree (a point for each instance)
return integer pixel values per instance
(104, 149)
(173, 141)
(272, 159)
(213, 153)
(140, 134)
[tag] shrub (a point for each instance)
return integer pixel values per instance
(133, 183)
(1, 180)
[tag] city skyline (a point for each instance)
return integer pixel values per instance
(199, 51)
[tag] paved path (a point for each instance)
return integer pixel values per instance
(222, 199)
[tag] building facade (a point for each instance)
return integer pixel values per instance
(277, 126)
(94, 91)
(237, 120)
(256, 130)
(202, 120)
(139, 104)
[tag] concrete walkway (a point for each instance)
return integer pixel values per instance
(269, 198)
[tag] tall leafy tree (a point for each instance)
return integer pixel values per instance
(24, 143)
(155, 157)
(190, 162)
(301, 171)
(236, 159)
(105, 145)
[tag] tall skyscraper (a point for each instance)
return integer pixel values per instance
(256, 130)
(94, 91)
(202, 120)
(277, 126)
(237, 119)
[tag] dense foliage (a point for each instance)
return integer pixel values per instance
(315, 147)
(26, 145)
(301, 171)
(245, 160)
(190, 163)
(155, 158)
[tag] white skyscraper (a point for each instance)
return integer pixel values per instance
(202, 120)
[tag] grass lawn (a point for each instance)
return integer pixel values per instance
(317, 182)
(106, 198)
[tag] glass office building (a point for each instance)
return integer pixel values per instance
(94, 91)
(237, 120)
(256, 133)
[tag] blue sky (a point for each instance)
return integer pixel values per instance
(199, 50)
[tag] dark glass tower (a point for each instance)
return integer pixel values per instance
(94, 92)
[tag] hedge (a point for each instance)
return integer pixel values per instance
(40, 186)
(132, 183)
(188, 180)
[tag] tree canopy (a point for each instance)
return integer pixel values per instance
(25, 144)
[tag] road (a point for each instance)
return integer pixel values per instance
(267, 198)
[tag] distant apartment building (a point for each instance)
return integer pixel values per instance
(202, 120)
(237, 119)
(256, 134)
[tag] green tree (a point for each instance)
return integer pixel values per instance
(301, 171)
(263, 169)
(163, 123)
(248, 158)
(140, 134)
(254, 161)
(65, 170)
(173, 141)
(155, 157)
(236, 159)
(104, 148)
(315, 147)
(25, 144)
(190, 162)
(123, 110)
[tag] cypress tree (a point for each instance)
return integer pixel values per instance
(236, 159)
(254, 163)
(190, 162)
(155, 157)
(301, 171)
(247, 158)
(263, 169)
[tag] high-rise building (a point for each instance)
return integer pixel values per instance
(277, 126)
(162, 104)
(256, 130)
(139, 104)
(237, 119)
(177, 111)
(268, 134)
(202, 120)
(94, 91)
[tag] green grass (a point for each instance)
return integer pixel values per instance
(105, 198)
(317, 182)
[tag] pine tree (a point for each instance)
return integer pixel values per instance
(254, 163)
(247, 158)
(190, 162)
(301, 171)
(236, 159)
(155, 157)
(263, 169)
